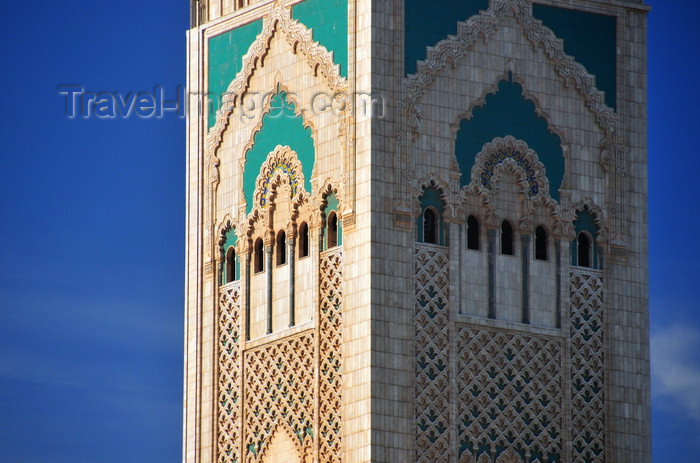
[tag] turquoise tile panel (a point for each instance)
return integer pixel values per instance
(431, 198)
(226, 53)
(428, 22)
(591, 39)
(280, 126)
(585, 221)
(328, 20)
(508, 112)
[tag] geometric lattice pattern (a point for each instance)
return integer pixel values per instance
(279, 395)
(510, 397)
(229, 390)
(432, 343)
(330, 323)
(587, 391)
(273, 388)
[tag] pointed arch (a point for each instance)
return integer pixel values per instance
(507, 112)
(445, 59)
(300, 38)
(478, 28)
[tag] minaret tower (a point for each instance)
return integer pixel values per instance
(416, 232)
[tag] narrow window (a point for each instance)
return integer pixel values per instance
(540, 243)
(303, 240)
(258, 256)
(332, 230)
(430, 226)
(281, 245)
(472, 233)
(507, 238)
(584, 250)
(230, 265)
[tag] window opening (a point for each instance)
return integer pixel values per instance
(303, 240)
(540, 243)
(258, 256)
(230, 265)
(332, 230)
(584, 250)
(472, 233)
(507, 238)
(430, 225)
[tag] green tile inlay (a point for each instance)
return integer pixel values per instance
(328, 19)
(431, 198)
(591, 39)
(332, 204)
(230, 240)
(508, 112)
(426, 23)
(280, 126)
(226, 53)
(585, 221)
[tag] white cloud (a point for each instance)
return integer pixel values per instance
(675, 368)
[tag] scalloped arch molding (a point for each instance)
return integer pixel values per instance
(328, 21)
(589, 37)
(280, 126)
(507, 112)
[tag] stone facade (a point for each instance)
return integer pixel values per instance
(417, 232)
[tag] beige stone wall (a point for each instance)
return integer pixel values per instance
(378, 167)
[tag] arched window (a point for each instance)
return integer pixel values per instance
(583, 249)
(281, 248)
(258, 256)
(540, 243)
(332, 230)
(507, 238)
(430, 226)
(230, 265)
(472, 233)
(303, 240)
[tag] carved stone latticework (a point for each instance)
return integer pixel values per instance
(432, 419)
(587, 391)
(510, 398)
(330, 323)
(229, 395)
(279, 392)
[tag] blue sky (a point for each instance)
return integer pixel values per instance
(92, 254)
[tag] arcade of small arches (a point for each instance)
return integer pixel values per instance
(281, 249)
(274, 264)
(509, 269)
(582, 246)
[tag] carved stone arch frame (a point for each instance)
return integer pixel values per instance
(307, 123)
(480, 102)
(259, 227)
(598, 218)
(270, 176)
(449, 194)
(300, 39)
(507, 147)
(226, 224)
(280, 86)
(283, 427)
(451, 49)
(318, 58)
(478, 28)
(318, 200)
